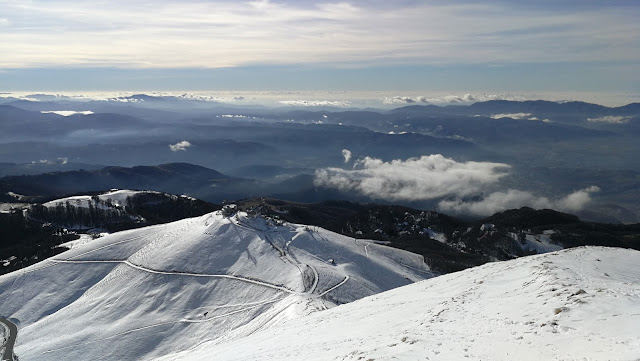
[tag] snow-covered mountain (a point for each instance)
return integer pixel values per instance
(234, 286)
(160, 290)
(112, 199)
(577, 304)
(118, 209)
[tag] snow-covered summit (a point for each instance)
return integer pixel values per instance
(577, 304)
(111, 199)
(146, 293)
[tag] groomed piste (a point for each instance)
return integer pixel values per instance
(154, 291)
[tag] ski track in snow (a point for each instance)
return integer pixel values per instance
(346, 278)
(286, 255)
(165, 250)
(578, 304)
(316, 277)
(127, 240)
(236, 278)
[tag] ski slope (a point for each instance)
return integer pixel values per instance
(161, 290)
(577, 304)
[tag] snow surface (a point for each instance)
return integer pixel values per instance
(540, 243)
(438, 236)
(577, 304)
(3, 334)
(83, 240)
(118, 198)
(154, 291)
(11, 207)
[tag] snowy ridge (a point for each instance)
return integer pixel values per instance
(149, 292)
(117, 198)
(577, 304)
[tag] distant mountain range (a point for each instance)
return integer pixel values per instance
(176, 178)
(173, 178)
(275, 152)
(537, 107)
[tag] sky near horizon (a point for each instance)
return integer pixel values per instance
(406, 45)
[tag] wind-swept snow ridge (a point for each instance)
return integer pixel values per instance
(149, 292)
(577, 304)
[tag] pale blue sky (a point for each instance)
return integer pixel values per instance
(502, 46)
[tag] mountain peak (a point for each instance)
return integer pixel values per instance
(173, 286)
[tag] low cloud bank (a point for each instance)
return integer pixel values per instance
(180, 146)
(424, 178)
(64, 160)
(610, 119)
(449, 99)
(513, 116)
(518, 116)
(316, 103)
(67, 113)
(436, 177)
(513, 198)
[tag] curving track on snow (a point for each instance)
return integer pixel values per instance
(10, 341)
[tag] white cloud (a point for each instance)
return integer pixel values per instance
(427, 177)
(46, 161)
(576, 201)
(403, 100)
(610, 119)
(542, 120)
(179, 146)
(66, 113)
(133, 34)
(449, 99)
(437, 177)
(514, 116)
(346, 153)
(513, 198)
(316, 103)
